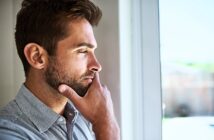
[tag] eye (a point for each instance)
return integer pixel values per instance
(82, 51)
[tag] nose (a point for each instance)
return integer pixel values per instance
(94, 65)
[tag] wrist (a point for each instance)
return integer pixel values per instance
(107, 129)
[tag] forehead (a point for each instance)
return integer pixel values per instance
(79, 31)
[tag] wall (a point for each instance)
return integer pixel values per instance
(107, 35)
(11, 75)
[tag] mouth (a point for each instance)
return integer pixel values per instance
(88, 78)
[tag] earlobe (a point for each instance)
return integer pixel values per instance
(35, 55)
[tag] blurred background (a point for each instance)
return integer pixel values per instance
(187, 56)
(187, 64)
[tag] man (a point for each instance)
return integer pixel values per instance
(62, 97)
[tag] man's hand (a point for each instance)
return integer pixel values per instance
(97, 107)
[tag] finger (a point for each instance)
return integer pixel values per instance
(70, 94)
(97, 79)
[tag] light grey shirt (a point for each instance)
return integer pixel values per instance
(27, 118)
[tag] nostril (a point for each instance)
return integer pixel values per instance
(95, 69)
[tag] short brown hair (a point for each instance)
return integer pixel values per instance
(45, 21)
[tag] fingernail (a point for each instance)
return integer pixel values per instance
(62, 88)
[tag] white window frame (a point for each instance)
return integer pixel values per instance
(140, 70)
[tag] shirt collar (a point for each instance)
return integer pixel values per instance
(39, 114)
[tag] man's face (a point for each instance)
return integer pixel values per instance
(74, 63)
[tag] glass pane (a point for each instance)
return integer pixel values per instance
(187, 58)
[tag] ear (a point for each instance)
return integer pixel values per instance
(36, 55)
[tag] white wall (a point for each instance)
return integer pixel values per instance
(10, 72)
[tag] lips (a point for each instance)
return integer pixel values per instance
(88, 77)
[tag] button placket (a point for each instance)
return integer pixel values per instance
(70, 115)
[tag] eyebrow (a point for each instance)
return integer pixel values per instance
(86, 44)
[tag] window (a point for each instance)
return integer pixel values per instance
(186, 38)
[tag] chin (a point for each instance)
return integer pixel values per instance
(87, 82)
(81, 90)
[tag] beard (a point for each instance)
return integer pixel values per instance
(55, 75)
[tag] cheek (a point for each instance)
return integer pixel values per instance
(75, 66)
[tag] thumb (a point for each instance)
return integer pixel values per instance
(70, 94)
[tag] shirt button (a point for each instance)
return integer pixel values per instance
(70, 114)
(60, 119)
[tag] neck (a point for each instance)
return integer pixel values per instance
(49, 96)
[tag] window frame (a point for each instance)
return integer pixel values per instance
(140, 71)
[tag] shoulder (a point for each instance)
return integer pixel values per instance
(13, 123)
(10, 130)
(10, 112)
(16, 129)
